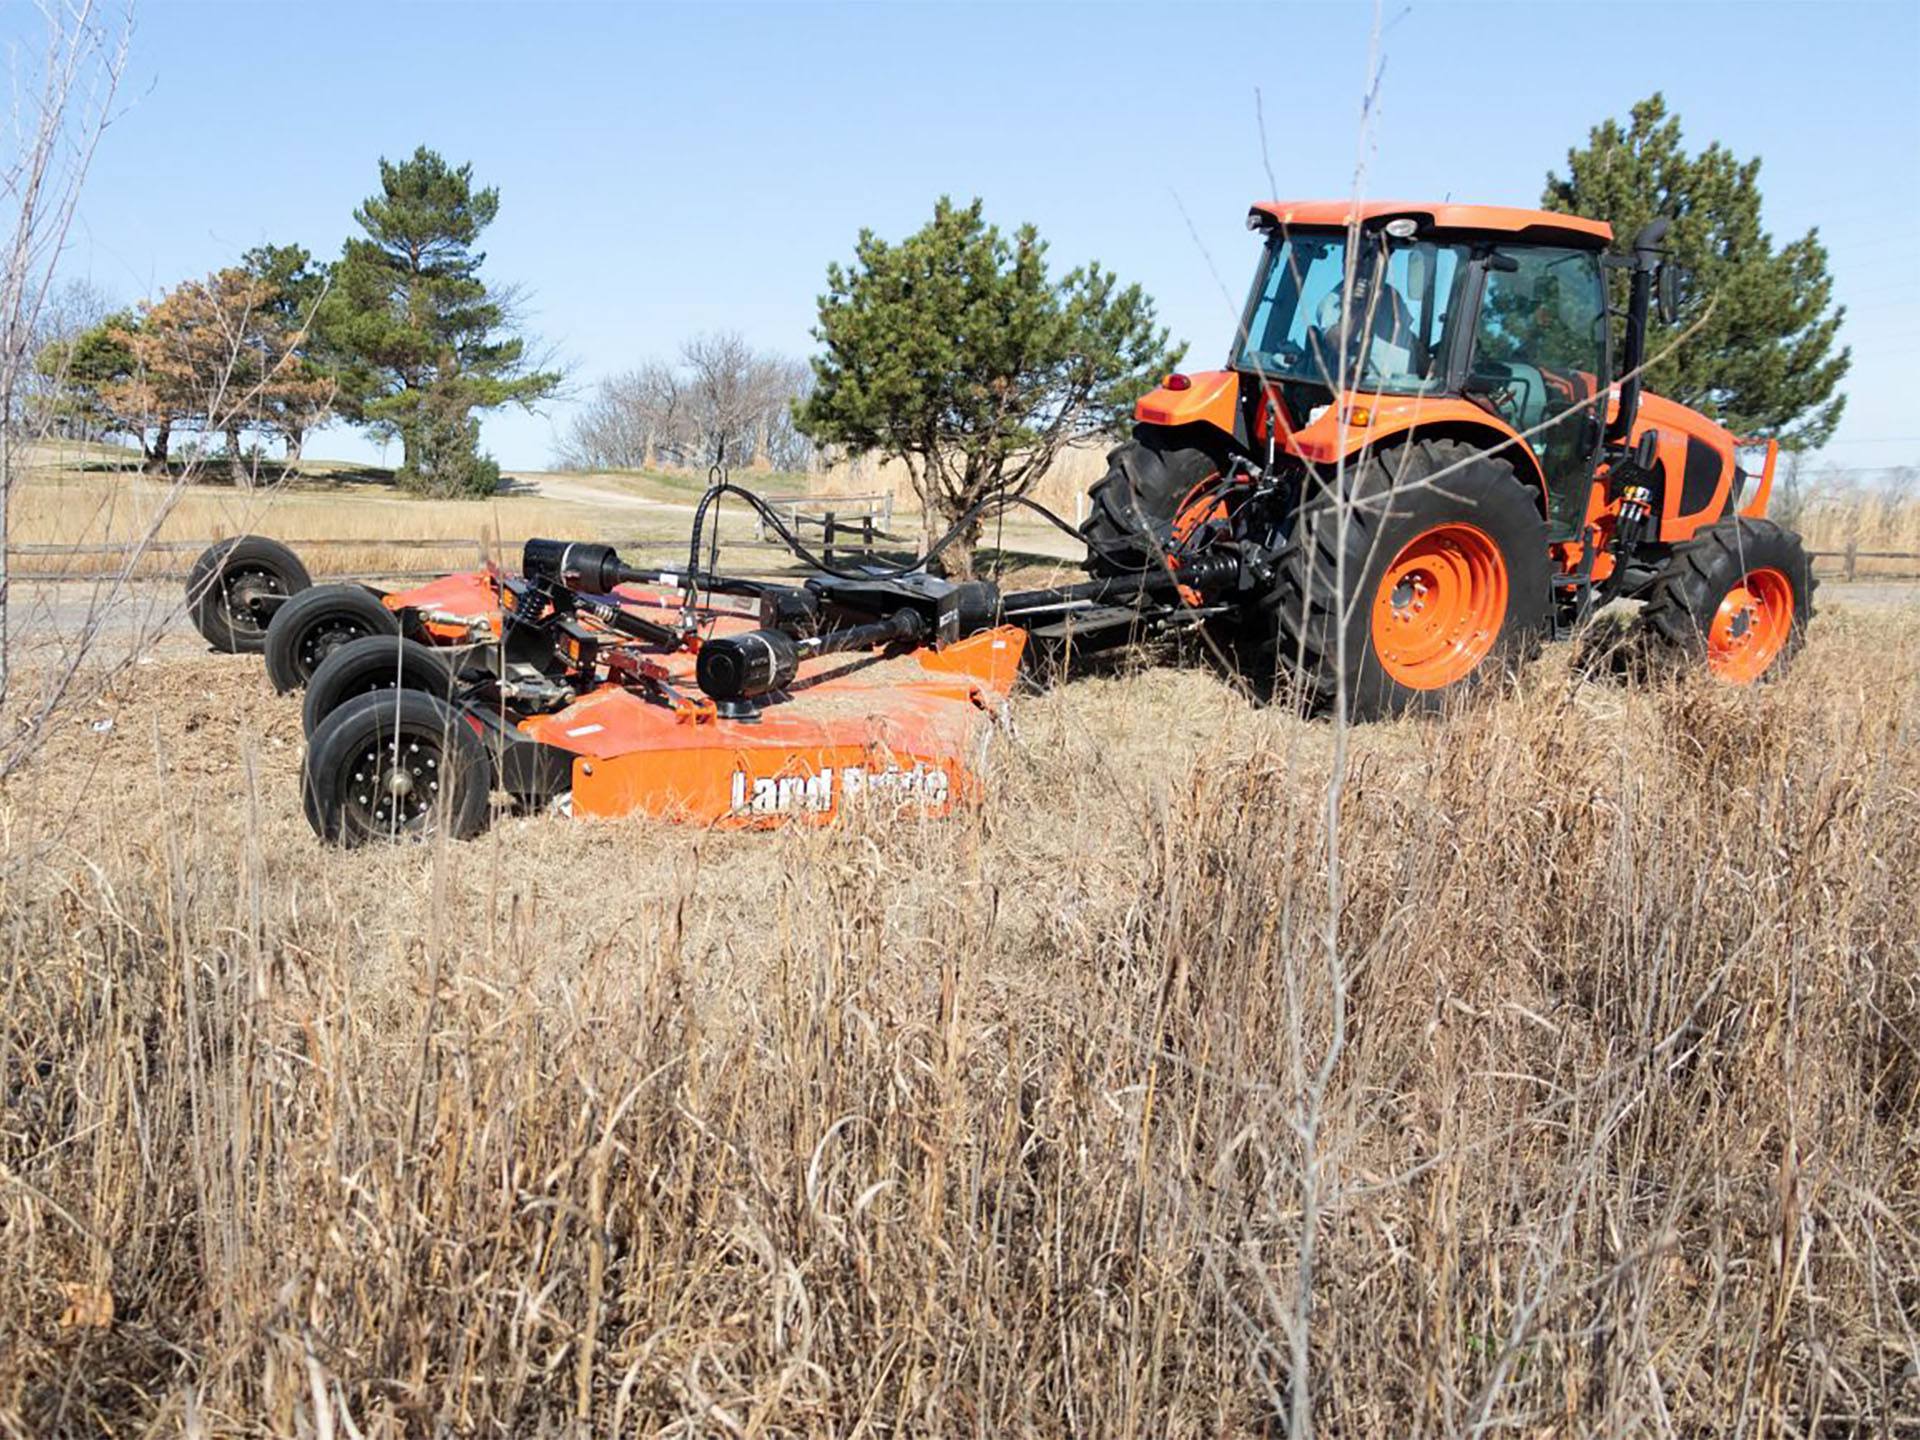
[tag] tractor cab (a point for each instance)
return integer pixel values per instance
(1503, 311)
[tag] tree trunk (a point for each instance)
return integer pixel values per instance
(296, 441)
(236, 463)
(156, 453)
(962, 562)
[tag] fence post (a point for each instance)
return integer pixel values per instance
(866, 532)
(1853, 557)
(832, 529)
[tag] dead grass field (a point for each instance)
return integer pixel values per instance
(1869, 520)
(997, 1126)
(94, 495)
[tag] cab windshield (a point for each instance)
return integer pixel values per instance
(1385, 315)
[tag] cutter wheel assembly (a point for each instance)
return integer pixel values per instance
(1423, 460)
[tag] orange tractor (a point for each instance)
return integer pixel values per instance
(1423, 459)
(1428, 457)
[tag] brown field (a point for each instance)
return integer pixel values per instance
(1870, 521)
(1581, 1097)
(93, 495)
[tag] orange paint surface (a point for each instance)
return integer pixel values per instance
(1212, 398)
(859, 729)
(1325, 213)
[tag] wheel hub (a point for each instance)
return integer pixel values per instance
(1410, 595)
(244, 592)
(1439, 606)
(325, 638)
(395, 784)
(1751, 626)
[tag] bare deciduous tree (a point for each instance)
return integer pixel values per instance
(71, 308)
(725, 403)
(62, 105)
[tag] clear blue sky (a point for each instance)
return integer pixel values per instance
(669, 169)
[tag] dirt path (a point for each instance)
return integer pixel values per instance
(580, 489)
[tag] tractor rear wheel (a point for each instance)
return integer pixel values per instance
(1133, 507)
(316, 622)
(371, 664)
(1737, 596)
(1438, 580)
(231, 586)
(395, 765)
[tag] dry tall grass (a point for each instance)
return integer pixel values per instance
(59, 502)
(992, 1126)
(1871, 520)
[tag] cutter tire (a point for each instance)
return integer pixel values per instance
(372, 664)
(229, 574)
(395, 765)
(316, 622)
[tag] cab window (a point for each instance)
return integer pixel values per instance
(1539, 358)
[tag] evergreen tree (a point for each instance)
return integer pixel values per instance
(958, 354)
(210, 354)
(292, 289)
(422, 341)
(83, 374)
(1764, 361)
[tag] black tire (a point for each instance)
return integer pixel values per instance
(317, 621)
(395, 765)
(1397, 500)
(370, 664)
(1133, 506)
(226, 582)
(1728, 556)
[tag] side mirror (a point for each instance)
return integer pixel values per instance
(1667, 287)
(1646, 451)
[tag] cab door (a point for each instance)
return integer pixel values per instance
(1540, 360)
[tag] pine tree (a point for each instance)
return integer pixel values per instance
(211, 354)
(423, 341)
(957, 353)
(1763, 361)
(82, 373)
(294, 288)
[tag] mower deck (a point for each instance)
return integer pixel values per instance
(851, 728)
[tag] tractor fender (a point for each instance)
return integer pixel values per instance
(1210, 397)
(1382, 422)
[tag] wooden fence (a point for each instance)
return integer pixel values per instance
(836, 516)
(1851, 557)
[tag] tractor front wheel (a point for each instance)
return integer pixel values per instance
(1135, 509)
(395, 765)
(1736, 597)
(1435, 578)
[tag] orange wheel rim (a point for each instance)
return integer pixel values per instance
(1751, 627)
(1439, 606)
